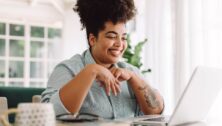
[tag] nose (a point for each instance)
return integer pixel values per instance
(118, 42)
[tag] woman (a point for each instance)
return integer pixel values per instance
(96, 82)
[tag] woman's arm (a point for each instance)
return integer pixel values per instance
(79, 86)
(150, 100)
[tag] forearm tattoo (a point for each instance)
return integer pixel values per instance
(150, 97)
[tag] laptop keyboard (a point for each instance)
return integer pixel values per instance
(158, 119)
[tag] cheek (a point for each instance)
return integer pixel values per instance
(107, 44)
(124, 45)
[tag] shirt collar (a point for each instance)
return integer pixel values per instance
(88, 57)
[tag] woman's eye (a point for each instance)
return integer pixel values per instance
(111, 37)
(124, 38)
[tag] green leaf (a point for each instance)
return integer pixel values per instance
(132, 56)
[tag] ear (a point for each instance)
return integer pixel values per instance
(92, 40)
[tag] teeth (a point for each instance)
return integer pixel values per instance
(115, 52)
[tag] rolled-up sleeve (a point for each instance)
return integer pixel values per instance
(59, 77)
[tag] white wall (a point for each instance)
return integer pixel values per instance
(22, 12)
(158, 51)
(73, 37)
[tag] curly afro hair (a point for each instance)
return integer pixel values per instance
(95, 13)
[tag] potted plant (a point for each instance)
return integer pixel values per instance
(132, 55)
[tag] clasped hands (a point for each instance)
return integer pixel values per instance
(110, 79)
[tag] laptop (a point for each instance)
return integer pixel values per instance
(195, 101)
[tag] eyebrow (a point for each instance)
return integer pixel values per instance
(113, 32)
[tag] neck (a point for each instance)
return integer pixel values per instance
(108, 66)
(103, 64)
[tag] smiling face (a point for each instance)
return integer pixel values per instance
(110, 44)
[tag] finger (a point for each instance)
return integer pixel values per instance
(117, 88)
(107, 86)
(112, 85)
(121, 79)
(117, 82)
(118, 74)
(113, 88)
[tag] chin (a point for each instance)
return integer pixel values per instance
(114, 60)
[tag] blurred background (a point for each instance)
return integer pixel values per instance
(37, 34)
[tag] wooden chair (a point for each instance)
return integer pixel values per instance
(36, 98)
(3, 106)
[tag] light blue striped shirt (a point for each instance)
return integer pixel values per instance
(96, 101)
